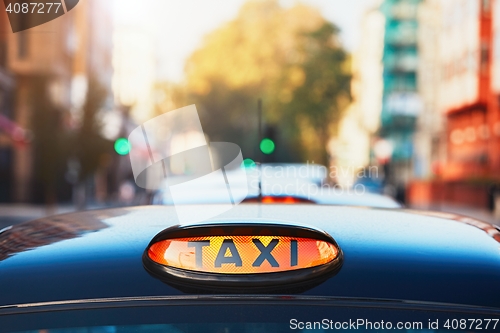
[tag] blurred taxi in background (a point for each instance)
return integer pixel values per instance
(284, 183)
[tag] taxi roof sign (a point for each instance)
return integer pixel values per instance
(255, 256)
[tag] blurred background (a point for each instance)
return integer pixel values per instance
(400, 95)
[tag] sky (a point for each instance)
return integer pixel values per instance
(178, 27)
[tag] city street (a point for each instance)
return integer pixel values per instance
(249, 166)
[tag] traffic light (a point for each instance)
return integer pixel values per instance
(122, 146)
(248, 163)
(267, 146)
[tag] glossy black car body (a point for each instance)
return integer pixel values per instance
(393, 259)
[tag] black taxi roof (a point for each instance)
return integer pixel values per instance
(388, 254)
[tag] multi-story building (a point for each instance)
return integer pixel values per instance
(40, 59)
(465, 42)
(351, 148)
(429, 141)
(494, 114)
(92, 65)
(54, 59)
(462, 99)
(401, 102)
(92, 41)
(6, 111)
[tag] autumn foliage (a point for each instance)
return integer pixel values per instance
(288, 57)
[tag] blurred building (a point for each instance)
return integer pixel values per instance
(352, 146)
(134, 59)
(465, 41)
(92, 39)
(494, 114)
(40, 52)
(401, 104)
(429, 141)
(460, 87)
(92, 64)
(6, 112)
(61, 54)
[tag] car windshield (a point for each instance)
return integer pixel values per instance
(235, 328)
(260, 317)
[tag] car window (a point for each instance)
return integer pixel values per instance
(262, 317)
(215, 328)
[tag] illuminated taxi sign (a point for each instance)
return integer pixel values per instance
(246, 255)
(242, 254)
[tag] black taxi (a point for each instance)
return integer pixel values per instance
(255, 268)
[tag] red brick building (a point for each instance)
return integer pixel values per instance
(468, 127)
(469, 101)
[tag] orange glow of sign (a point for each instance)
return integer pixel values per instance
(284, 200)
(242, 254)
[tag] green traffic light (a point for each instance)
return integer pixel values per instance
(122, 146)
(267, 146)
(248, 163)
